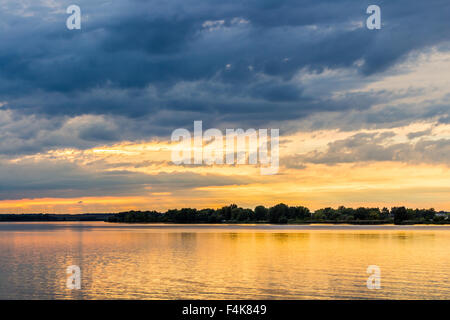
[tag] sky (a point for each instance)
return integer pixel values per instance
(86, 116)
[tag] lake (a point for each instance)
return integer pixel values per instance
(131, 261)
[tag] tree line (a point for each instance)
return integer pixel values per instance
(283, 214)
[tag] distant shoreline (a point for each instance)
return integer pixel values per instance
(299, 223)
(105, 217)
(42, 217)
(279, 214)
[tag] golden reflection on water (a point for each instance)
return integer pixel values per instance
(226, 262)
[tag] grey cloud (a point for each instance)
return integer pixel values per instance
(418, 134)
(163, 44)
(148, 67)
(29, 179)
(368, 147)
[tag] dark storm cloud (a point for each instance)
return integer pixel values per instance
(163, 64)
(139, 69)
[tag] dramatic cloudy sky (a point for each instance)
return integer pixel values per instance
(86, 115)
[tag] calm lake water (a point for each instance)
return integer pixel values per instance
(122, 261)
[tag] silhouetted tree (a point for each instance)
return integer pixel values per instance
(400, 214)
(261, 213)
(278, 213)
(385, 213)
(361, 214)
(299, 213)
